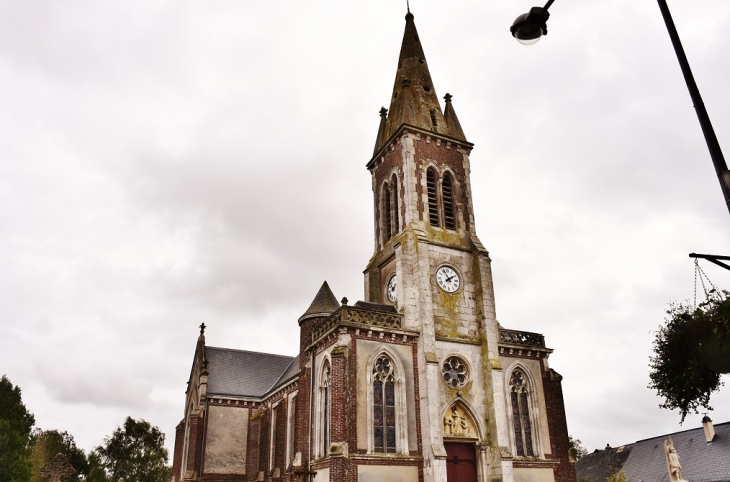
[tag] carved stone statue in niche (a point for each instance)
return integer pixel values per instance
(673, 465)
(457, 423)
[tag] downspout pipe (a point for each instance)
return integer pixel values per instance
(311, 417)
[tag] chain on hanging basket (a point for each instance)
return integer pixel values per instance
(713, 293)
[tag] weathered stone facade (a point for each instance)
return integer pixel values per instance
(418, 382)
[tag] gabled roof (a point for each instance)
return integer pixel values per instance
(701, 461)
(244, 373)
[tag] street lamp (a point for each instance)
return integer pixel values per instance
(529, 27)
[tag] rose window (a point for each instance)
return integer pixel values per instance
(454, 372)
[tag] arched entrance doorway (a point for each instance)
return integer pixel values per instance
(460, 434)
(461, 462)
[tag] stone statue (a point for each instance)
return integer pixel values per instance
(673, 465)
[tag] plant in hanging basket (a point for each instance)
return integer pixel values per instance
(683, 369)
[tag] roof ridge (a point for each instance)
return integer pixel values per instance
(248, 351)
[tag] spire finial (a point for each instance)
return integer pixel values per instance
(448, 97)
(408, 6)
(202, 328)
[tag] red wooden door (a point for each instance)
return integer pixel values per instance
(461, 462)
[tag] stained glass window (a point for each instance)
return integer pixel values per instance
(519, 395)
(384, 406)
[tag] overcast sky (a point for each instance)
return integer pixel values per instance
(168, 163)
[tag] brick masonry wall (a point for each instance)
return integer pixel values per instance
(195, 446)
(178, 454)
(558, 426)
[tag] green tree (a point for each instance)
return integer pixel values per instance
(135, 452)
(575, 448)
(16, 422)
(45, 444)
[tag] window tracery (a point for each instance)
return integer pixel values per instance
(454, 372)
(521, 423)
(384, 436)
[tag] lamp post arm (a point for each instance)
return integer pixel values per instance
(718, 160)
(547, 5)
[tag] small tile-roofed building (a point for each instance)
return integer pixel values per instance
(703, 458)
(418, 382)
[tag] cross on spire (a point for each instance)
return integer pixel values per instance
(57, 469)
(202, 328)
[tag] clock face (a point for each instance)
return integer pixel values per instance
(392, 289)
(448, 279)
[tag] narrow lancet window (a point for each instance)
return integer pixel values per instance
(519, 395)
(383, 405)
(387, 213)
(448, 195)
(433, 213)
(396, 216)
(326, 409)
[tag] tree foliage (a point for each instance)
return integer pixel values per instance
(47, 443)
(575, 448)
(135, 452)
(679, 371)
(16, 423)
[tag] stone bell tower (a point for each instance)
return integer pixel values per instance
(430, 265)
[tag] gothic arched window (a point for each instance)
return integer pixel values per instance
(432, 188)
(520, 400)
(447, 189)
(384, 435)
(387, 213)
(326, 408)
(394, 204)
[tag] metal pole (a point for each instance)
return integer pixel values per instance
(715, 153)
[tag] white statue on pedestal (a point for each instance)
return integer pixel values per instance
(673, 465)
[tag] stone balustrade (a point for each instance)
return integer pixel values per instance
(522, 338)
(358, 317)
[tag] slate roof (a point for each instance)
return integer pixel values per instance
(376, 307)
(645, 462)
(324, 302)
(246, 373)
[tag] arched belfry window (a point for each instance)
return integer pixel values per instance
(521, 423)
(447, 189)
(384, 436)
(394, 204)
(387, 213)
(432, 189)
(326, 408)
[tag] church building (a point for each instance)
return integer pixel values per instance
(417, 382)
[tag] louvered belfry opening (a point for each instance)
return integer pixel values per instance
(387, 213)
(396, 217)
(431, 186)
(448, 195)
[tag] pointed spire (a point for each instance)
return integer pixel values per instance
(414, 99)
(381, 130)
(452, 122)
(324, 303)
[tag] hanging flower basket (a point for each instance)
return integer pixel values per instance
(691, 351)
